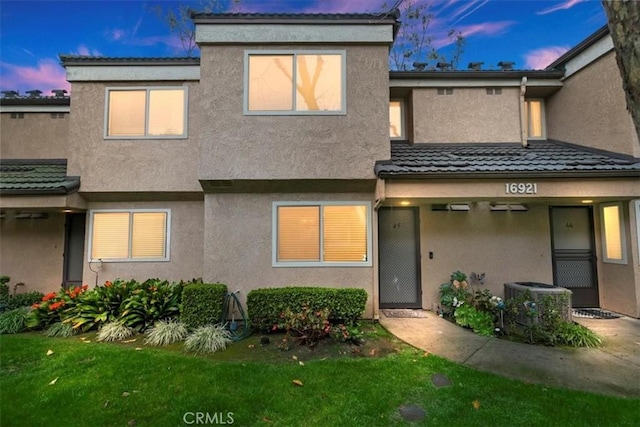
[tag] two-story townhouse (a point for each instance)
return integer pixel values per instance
(523, 176)
(289, 155)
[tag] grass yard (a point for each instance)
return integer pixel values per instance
(101, 384)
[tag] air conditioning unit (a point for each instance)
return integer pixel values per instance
(539, 291)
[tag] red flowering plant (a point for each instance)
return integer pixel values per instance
(54, 307)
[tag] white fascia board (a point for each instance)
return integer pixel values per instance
(589, 55)
(471, 83)
(296, 33)
(113, 73)
(35, 109)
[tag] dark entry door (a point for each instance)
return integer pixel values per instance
(73, 249)
(574, 258)
(399, 262)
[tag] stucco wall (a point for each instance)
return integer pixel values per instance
(128, 165)
(235, 146)
(31, 251)
(238, 251)
(619, 284)
(590, 110)
(186, 246)
(468, 115)
(36, 136)
(507, 246)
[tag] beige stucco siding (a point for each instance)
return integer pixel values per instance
(590, 110)
(35, 136)
(186, 246)
(468, 115)
(238, 246)
(238, 146)
(507, 246)
(31, 251)
(128, 165)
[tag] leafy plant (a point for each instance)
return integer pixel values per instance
(575, 335)
(347, 333)
(165, 332)
(149, 302)
(265, 306)
(54, 307)
(455, 293)
(60, 329)
(480, 321)
(9, 302)
(202, 304)
(114, 331)
(208, 339)
(306, 326)
(14, 321)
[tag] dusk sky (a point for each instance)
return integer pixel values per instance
(532, 33)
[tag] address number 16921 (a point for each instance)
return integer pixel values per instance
(521, 188)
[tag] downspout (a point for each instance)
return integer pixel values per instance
(380, 194)
(523, 113)
(380, 198)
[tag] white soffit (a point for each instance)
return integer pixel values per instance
(93, 73)
(294, 33)
(590, 54)
(472, 83)
(34, 109)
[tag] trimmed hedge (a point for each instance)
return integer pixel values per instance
(266, 305)
(202, 304)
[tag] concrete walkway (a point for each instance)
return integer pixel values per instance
(613, 369)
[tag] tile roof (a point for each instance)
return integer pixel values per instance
(36, 177)
(375, 17)
(548, 158)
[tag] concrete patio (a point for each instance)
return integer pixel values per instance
(612, 369)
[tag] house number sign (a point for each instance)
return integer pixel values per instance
(521, 188)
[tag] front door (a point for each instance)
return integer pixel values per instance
(399, 258)
(574, 258)
(73, 249)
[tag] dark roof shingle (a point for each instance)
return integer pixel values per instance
(36, 177)
(540, 157)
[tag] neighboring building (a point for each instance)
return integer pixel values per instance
(287, 154)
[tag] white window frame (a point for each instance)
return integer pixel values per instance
(543, 119)
(148, 89)
(167, 242)
(321, 204)
(637, 203)
(294, 112)
(623, 236)
(403, 119)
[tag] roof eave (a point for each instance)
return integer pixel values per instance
(510, 174)
(579, 48)
(482, 74)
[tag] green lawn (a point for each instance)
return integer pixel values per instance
(164, 385)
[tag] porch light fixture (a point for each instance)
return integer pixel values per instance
(462, 207)
(587, 201)
(405, 203)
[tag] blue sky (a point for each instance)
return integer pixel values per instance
(532, 33)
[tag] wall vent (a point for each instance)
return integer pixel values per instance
(445, 91)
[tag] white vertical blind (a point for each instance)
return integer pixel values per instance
(148, 235)
(612, 234)
(110, 238)
(299, 233)
(127, 113)
(345, 233)
(166, 112)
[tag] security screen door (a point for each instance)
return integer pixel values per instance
(399, 252)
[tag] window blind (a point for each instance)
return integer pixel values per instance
(612, 235)
(110, 238)
(148, 235)
(345, 233)
(299, 233)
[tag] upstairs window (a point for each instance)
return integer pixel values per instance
(129, 235)
(157, 113)
(321, 234)
(535, 119)
(396, 119)
(305, 82)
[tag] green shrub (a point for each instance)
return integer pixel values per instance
(266, 305)
(454, 293)
(149, 302)
(208, 339)
(54, 307)
(26, 299)
(305, 327)
(114, 331)
(165, 332)
(202, 304)
(14, 321)
(470, 317)
(575, 335)
(60, 329)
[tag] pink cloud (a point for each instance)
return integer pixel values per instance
(566, 4)
(47, 75)
(540, 58)
(485, 28)
(85, 51)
